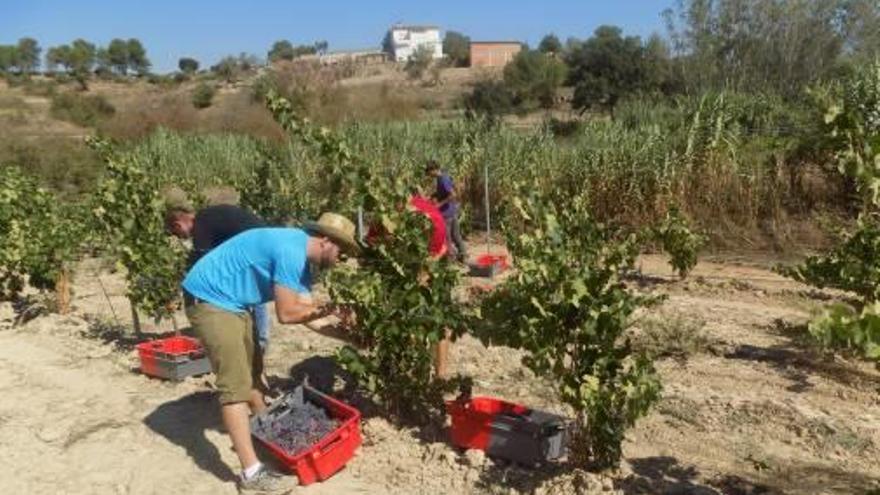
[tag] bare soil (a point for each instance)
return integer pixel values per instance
(751, 409)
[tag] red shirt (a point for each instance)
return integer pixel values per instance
(437, 236)
(437, 239)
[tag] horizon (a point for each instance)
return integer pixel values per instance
(172, 30)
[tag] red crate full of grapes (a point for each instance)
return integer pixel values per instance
(310, 433)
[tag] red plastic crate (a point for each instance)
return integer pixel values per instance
(472, 420)
(173, 358)
(499, 260)
(506, 430)
(332, 452)
(489, 265)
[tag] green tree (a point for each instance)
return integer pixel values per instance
(137, 57)
(863, 29)
(388, 44)
(489, 98)
(103, 66)
(300, 50)
(117, 56)
(27, 57)
(321, 46)
(609, 66)
(188, 65)
(82, 60)
(227, 68)
(281, 50)
(532, 78)
(230, 67)
(755, 45)
(457, 47)
(247, 61)
(7, 57)
(58, 55)
(550, 44)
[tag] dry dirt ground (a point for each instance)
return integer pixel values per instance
(747, 408)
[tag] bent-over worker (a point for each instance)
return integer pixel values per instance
(253, 268)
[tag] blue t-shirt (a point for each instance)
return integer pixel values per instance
(240, 272)
(444, 189)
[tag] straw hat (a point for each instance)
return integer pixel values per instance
(337, 228)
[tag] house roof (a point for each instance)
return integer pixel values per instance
(414, 27)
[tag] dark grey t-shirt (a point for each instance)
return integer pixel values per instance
(216, 224)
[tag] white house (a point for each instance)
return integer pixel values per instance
(403, 41)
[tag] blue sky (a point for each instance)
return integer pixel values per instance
(208, 30)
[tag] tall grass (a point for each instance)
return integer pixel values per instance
(714, 157)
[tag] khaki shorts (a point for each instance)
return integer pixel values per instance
(229, 342)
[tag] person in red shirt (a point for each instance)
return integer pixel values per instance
(437, 239)
(437, 248)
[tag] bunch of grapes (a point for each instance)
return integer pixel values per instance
(300, 429)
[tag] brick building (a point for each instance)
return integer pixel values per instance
(493, 53)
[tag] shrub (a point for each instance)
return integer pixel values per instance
(84, 110)
(852, 266)
(128, 212)
(39, 237)
(164, 81)
(533, 78)
(171, 111)
(40, 88)
(203, 95)
(419, 62)
(839, 326)
(402, 300)
(680, 243)
(489, 98)
(64, 165)
(262, 85)
(851, 123)
(564, 128)
(671, 335)
(568, 309)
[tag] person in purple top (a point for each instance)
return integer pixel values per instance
(447, 201)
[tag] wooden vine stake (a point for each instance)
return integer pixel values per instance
(62, 291)
(135, 320)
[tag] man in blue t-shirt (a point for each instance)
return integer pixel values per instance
(210, 227)
(251, 269)
(447, 201)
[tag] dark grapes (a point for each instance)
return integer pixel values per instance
(297, 430)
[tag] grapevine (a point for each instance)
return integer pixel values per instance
(851, 123)
(128, 210)
(679, 241)
(402, 299)
(41, 238)
(567, 308)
